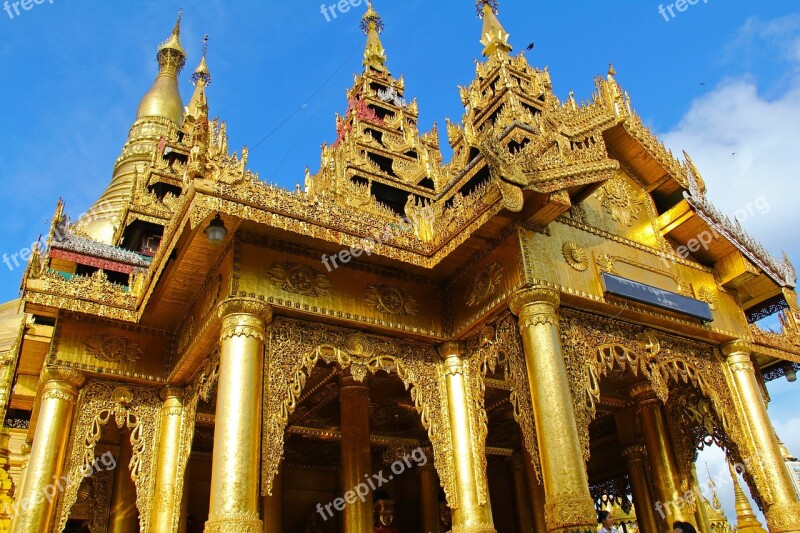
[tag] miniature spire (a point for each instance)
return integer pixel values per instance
(746, 521)
(494, 37)
(374, 54)
(164, 99)
(201, 78)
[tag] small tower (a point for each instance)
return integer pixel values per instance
(159, 116)
(746, 520)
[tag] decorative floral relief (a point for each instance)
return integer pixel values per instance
(575, 256)
(299, 279)
(619, 199)
(391, 300)
(113, 348)
(485, 284)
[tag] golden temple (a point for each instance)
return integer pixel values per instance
(555, 321)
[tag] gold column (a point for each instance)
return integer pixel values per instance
(634, 457)
(535, 494)
(124, 516)
(670, 504)
(165, 515)
(762, 447)
(568, 504)
(521, 506)
(357, 517)
(428, 495)
(469, 515)
(237, 432)
(59, 394)
(272, 506)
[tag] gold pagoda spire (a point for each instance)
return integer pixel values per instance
(201, 78)
(375, 53)
(494, 37)
(164, 99)
(746, 521)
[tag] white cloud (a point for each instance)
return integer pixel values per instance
(757, 120)
(746, 140)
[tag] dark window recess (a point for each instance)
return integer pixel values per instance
(665, 202)
(162, 189)
(766, 309)
(384, 162)
(44, 320)
(377, 87)
(381, 112)
(171, 157)
(358, 180)
(477, 180)
(120, 278)
(473, 153)
(394, 199)
(143, 237)
(411, 153)
(377, 135)
(532, 109)
(427, 183)
(514, 146)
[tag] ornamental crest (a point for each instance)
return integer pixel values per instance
(299, 279)
(391, 300)
(619, 199)
(484, 284)
(112, 348)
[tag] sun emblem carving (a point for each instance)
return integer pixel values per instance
(391, 300)
(708, 296)
(619, 199)
(299, 279)
(484, 284)
(112, 348)
(576, 256)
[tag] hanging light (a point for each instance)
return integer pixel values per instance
(216, 231)
(790, 372)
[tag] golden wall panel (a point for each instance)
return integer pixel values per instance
(574, 255)
(623, 208)
(486, 283)
(294, 279)
(105, 347)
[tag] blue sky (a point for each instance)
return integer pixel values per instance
(723, 77)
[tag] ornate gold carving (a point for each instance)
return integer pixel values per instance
(499, 347)
(532, 296)
(619, 199)
(299, 279)
(709, 296)
(241, 522)
(391, 300)
(737, 346)
(294, 350)
(136, 408)
(113, 348)
(244, 317)
(569, 512)
(575, 256)
(484, 285)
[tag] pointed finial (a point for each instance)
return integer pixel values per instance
(202, 72)
(494, 37)
(374, 53)
(611, 70)
(371, 17)
(177, 29)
